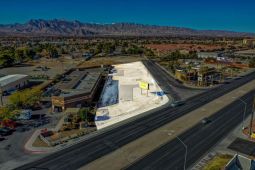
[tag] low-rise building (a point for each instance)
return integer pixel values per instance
(77, 89)
(197, 75)
(249, 42)
(245, 53)
(13, 82)
(205, 55)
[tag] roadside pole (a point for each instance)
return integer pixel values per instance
(245, 108)
(1, 98)
(251, 122)
(1, 95)
(186, 152)
(185, 146)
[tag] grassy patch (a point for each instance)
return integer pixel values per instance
(39, 143)
(218, 162)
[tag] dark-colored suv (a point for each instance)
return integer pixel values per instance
(177, 103)
(5, 131)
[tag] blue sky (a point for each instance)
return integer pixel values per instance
(236, 15)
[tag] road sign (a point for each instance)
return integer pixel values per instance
(144, 85)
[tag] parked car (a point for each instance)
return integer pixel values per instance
(5, 131)
(25, 115)
(206, 121)
(177, 103)
(22, 129)
(2, 138)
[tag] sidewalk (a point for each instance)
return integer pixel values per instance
(29, 145)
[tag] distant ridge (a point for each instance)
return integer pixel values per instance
(58, 27)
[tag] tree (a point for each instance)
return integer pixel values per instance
(6, 60)
(252, 62)
(29, 53)
(53, 53)
(83, 113)
(7, 113)
(19, 55)
(7, 57)
(26, 98)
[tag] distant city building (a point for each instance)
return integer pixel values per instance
(13, 82)
(239, 162)
(209, 55)
(249, 42)
(245, 53)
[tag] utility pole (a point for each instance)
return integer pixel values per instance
(251, 123)
(1, 95)
(186, 152)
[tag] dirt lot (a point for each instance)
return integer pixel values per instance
(56, 66)
(98, 61)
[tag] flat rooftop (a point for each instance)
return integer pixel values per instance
(79, 82)
(11, 78)
(246, 52)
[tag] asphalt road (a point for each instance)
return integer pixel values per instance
(85, 152)
(174, 88)
(199, 139)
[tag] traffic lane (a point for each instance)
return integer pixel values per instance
(158, 71)
(199, 140)
(194, 103)
(111, 142)
(162, 81)
(87, 152)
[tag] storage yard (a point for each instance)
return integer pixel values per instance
(129, 99)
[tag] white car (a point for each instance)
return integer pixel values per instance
(25, 115)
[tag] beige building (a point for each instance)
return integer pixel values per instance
(78, 89)
(249, 42)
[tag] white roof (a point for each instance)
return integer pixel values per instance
(11, 78)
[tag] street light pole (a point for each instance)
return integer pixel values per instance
(186, 152)
(245, 108)
(1, 95)
(185, 146)
(251, 122)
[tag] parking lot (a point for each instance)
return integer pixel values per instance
(12, 144)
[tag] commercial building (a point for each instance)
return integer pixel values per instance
(13, 82)
(249, 42)
(245, 53)
(198, 76)
(205, 55)
(76, 89)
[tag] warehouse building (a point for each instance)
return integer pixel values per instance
(205, 55)
(13, 82)
(77, 89)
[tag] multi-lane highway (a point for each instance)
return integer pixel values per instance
(83, 153)
(198, 140)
